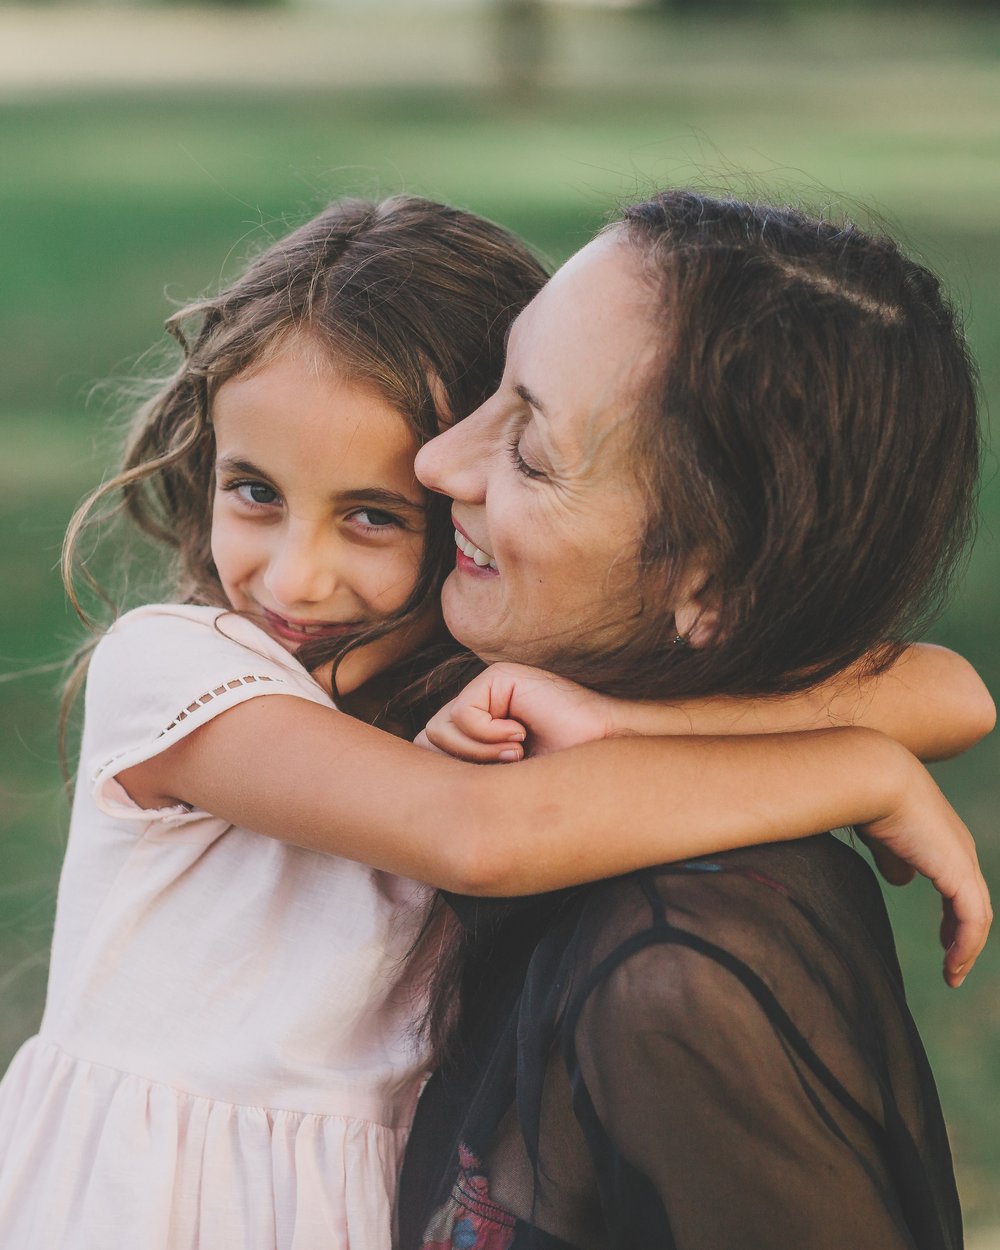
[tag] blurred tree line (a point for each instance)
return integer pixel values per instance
(523, 13)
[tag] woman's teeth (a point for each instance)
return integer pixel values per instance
(469, 548)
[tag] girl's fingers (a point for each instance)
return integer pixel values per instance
(895, 870)
(422, 740)
(461, 747)
(478, 724)
(925, 833)
(444, 734)
(965, 926)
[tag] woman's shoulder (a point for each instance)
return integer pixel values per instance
(801, 924)
(819, 879)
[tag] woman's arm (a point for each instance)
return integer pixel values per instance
(306, 774)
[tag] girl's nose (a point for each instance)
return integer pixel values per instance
(300, 571)
(455, 462)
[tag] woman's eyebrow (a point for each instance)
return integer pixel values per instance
(530, 398)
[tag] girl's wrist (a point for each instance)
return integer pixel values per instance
(889, 769)
(626, 717)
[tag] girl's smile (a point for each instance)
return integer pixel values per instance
(306, 631)
(318, 520)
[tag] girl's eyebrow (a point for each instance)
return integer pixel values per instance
(378, 495)
(233, 464)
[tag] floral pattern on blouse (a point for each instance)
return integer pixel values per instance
(470, 1219)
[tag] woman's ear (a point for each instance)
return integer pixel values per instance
(696, 615)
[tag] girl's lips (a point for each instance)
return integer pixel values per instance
(314, 629)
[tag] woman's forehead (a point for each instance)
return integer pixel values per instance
(582, 350)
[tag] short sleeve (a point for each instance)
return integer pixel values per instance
(160, 673)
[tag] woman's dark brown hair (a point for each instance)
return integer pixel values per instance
(809, 439)
(408, 294)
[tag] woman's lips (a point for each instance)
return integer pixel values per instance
(306, 631)
(465, 565)
(472, 558)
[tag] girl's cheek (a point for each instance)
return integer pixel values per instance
(399, 577)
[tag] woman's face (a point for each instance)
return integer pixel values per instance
(548, 511)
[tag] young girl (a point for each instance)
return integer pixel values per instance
(228, 1055)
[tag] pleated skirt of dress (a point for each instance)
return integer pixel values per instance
(96, 1159)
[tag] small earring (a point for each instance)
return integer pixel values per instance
(680, 641)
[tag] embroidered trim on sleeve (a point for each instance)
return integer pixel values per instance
(200, 702)
(195, 707)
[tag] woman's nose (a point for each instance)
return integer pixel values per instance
(454, 463)
(300, 571)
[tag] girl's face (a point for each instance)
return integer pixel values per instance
(317, 519)
(548, 510)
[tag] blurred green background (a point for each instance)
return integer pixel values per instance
(145, 150)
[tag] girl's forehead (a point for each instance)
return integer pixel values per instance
(314, 429)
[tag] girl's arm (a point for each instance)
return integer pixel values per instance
(310, 775)
(931, 700)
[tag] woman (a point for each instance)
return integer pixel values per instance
(751, 433)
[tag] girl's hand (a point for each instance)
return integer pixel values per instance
(510, 710)
(511, 707)
(923, 833)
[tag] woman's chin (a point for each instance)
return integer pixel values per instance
(469, 611)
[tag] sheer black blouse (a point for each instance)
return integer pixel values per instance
(701, 1056)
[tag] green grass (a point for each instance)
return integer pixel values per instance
(113, 205)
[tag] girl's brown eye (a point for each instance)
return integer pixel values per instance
(376, 519)
(260, 493)
(257, 494)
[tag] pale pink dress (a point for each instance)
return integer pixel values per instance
(227, 1058)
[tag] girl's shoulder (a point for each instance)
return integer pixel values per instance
(162, 671)
(167, 654)
(192, 622)
(175, 634)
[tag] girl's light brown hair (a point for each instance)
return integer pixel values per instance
(408, 294)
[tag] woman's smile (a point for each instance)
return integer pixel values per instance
(547, 508)
(471, 558)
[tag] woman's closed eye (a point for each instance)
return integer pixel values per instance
(522, 466)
